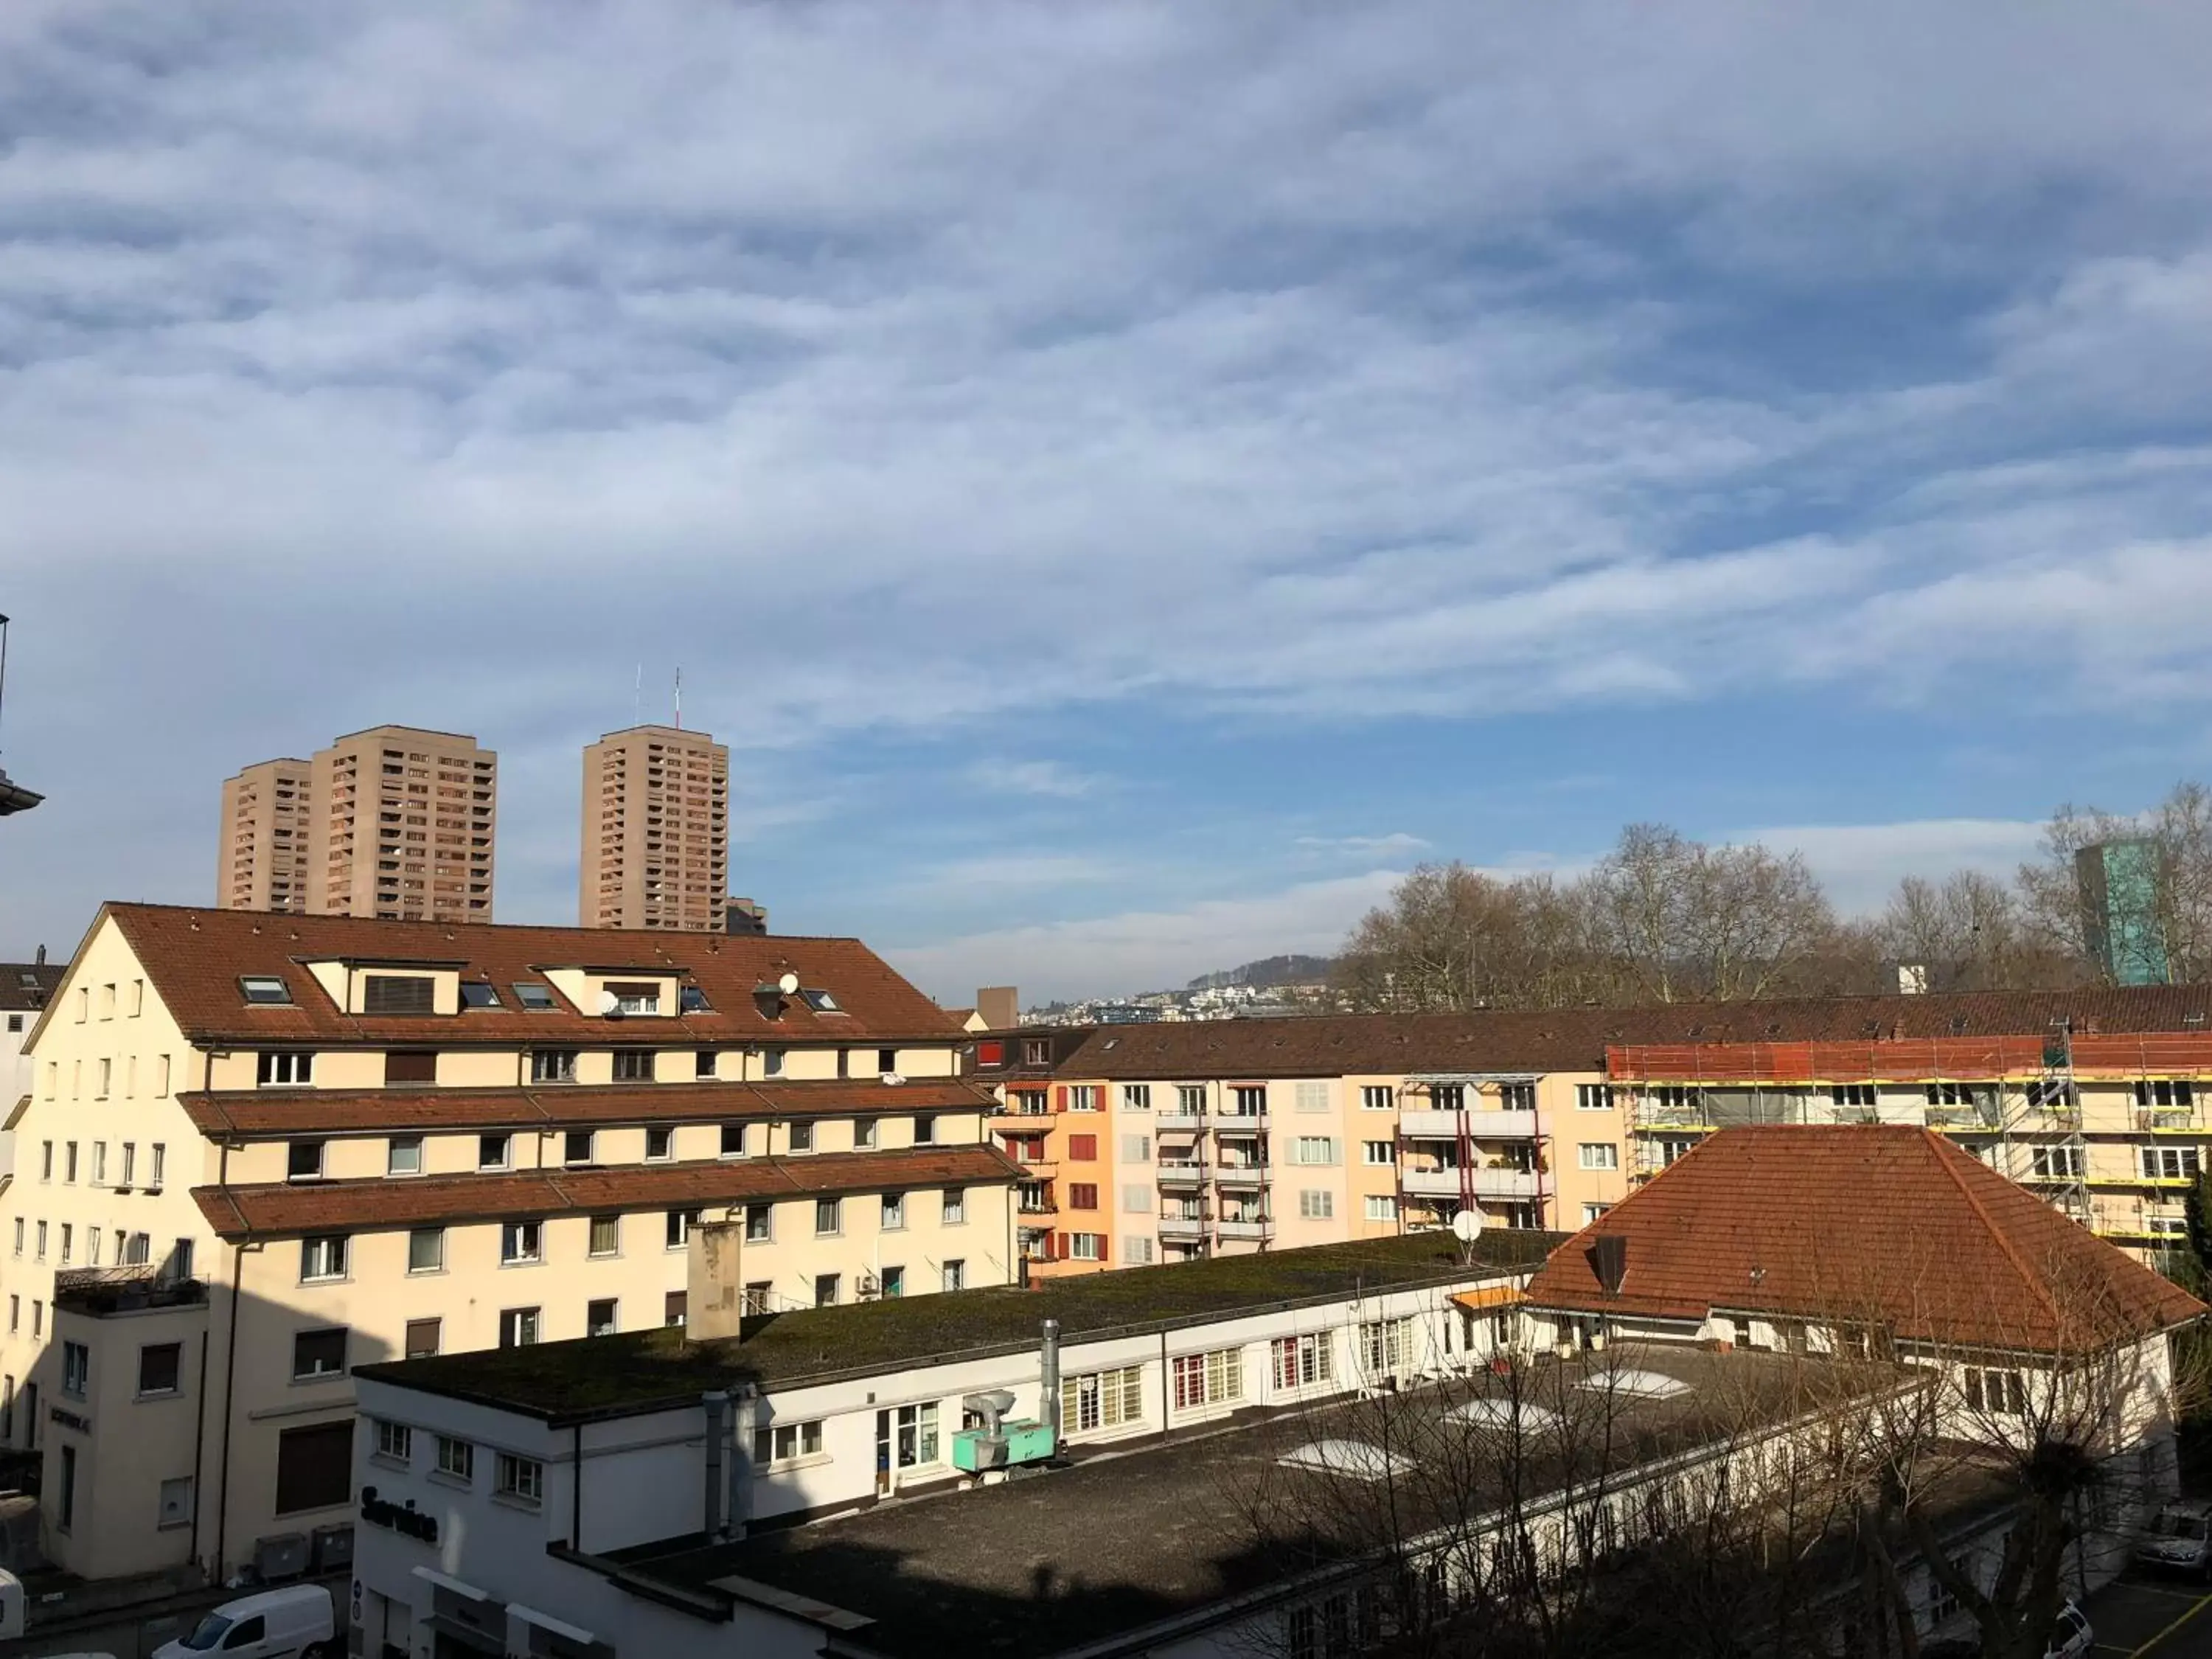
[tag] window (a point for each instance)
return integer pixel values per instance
(1593, 1097)
(1136, 1096)
(1313, 1150)
(263, 988)
(37, 1317)
(894, 1281)
(1297, 1361)
(827, 1219)
(1190, 1099)
(781, 1443)
(323, 1257)
(1086, 1247)
(759, 1223)
(304, 1161)
(1136, 1251)
(826, 1290)
(1083, 1097)
(1999, 1392)
(518, 1327)
(672, 1310)
(521, 1242)
(77, 1368)
(45, 1160)
(1853, 1094)
(955, 1206)
(395, 1442)
(894, 1212)
(733, 1140)
(925, 1130)
(1316, 1203)
(576, 1146)
(864, 1133)
(175, 1502)
(68, 1242)
(1207, 1379)
(421, 1338)
(702, 1062)
(1249, 1100)
(533, 998)
(107, 1073)
(917, 1437)
(161, 1076)
(278, 1068)
(691, 1000)
(492, 1152)
(42, 1242)
(1379, 1152)
(1136, 1199)
(319, 1353)
(68, 1164)
(2056, 1163)
(1516, 1097)
(802, 1137)
(599, 1317)
(403, 1155)
(1381, 1206)
(1598, 1155)
(398, 993)
(2164, 1091)
(820, 1001)
(410, 1065)
(426, 1250)
(1385, 1345)
(1592, 1211)
(2052, 1094)
(2170, 1163)
(1102, 1400)
(676, 1227)
(633, 1064)
(772, 1062)
(1136, 1149)
(1678, 1098)
(552, 1065)
(314, 1471)
(457, 1459)
(606, 1236)
(1082, 1195)
(477, 993)
(92, 1248)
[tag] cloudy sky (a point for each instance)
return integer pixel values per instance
(1125, 479)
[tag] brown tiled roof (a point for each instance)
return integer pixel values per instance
(285, 1209)
(1575, 1039)
(251, 1113)
(195, 959)
(1860, 1222)
(16, 996)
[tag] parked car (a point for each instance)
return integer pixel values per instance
(295, 1622)
(2180, 1540)
(2070, 1639)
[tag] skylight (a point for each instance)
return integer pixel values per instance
(530, 994)
(1638, 1385)
(821, 1001)
(264, 988)
(693, 1000)
(478, 993)
(1354, 1459)
(1497, 1413)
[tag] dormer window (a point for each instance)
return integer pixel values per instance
(628, 998)
(820, 1001)
(264, 988)
(398, 993)
(693, 1000)
(282, 1068)
(479, 994)
(533, 998)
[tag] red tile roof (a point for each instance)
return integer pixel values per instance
(1855, 1222)
(195, 958)
(253, 1114)
(1575, 1039)
(288, 1209)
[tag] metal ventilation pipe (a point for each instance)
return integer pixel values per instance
(718, 1434)
(1048, 1376)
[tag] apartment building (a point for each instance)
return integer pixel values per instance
(261, 1149)
(1173, 1141)
(655, 847)
(261, 844)
(404, 823)
(25, 988)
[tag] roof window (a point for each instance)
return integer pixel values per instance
(479, 994)
(264, 988)
(1354, 1459)
(820, 1002)
(531, 996)
(693, 1000)
(1637, 1385)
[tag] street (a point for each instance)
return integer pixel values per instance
(2143, 1617)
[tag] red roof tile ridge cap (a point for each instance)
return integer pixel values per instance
(1944, 1150)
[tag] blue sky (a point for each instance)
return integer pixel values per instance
(1126, 480)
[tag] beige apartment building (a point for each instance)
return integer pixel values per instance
(393, 822)
(262, 845)
(404, 823)
(261, 1149)
(654, 850)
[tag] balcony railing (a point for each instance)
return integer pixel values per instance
(1250, 1227)
(2168, 1120)
(1183, 1175)
(1488, 1183)
(1427, 1125)
(1184, 1227)
(1175, 1117)
(1240, 1175)
(1239, 1123)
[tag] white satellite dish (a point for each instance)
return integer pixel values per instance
(788, 985)
(1467, 1225)
(609, 1002)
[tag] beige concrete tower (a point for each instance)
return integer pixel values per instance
(656, 830)
(261, 849)
(402, 826)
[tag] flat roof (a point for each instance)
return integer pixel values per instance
(1127, 1538)
(638, 1371)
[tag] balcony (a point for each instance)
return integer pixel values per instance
(1251, 1229)
(1183, 1175)
(2168, 1121)
(1186, 1228)
(1488, 1183)
(1177, 1118)
(1426, 1125)
(1240, 1123)
(1240, 1175)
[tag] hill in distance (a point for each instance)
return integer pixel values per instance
(1266, 972)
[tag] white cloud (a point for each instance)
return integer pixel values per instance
(1396, 845)
(1053, 780)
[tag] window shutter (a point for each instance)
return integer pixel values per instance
(1060, 1096)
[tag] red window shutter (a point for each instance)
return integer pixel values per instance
(1082, 1149)
(1060, 1097)
(990, 1053)
(1101, 1247)
(1059, 1247)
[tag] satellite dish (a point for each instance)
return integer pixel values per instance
(788, 985)
(1467, 1225)
(609, 1002)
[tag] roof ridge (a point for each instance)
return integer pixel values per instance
(1944, 1152)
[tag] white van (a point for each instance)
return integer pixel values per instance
(295, 1622)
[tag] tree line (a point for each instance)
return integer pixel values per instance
(1664, 918)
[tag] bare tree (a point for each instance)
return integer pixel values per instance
(1683, 920)
(1454, 938)
(1970, 932)
(2181, 828)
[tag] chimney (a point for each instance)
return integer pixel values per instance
(1049, 1379)
(714, 1297)
(41, 957)
(999, 1006)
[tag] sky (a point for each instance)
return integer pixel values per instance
(1128, 481)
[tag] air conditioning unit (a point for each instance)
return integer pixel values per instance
(333, 1548)
(286, 1555)
(869, 1285)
